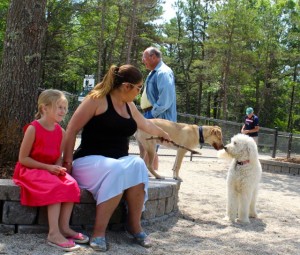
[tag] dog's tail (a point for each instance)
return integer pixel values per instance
(223, 154)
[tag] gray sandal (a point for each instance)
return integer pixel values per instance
(140, 238)
(98, 243)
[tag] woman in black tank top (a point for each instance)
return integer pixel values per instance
(108, 117)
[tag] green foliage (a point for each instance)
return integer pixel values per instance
(3, 12)
(226, 55)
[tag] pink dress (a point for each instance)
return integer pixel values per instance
(38, 186)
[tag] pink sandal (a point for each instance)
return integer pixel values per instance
(79, 238)
(66, 246)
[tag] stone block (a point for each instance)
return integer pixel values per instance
(32, 229)
(294, 171)
(176, 199)
(119, 215)
(169, 204)
(79, 228)
(277, 169)
(86, 197)
(7, 229)
(9, 191)
(285, 169)
(150, 209)
(15, 213)
(161, 207)
(89, 228)
(42, 215)
(271, 168)
(116, 227)
(152, 192)
(83, 214)
(165, 191)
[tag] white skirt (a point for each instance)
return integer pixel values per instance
(106, 177)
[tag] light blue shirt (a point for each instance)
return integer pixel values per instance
(160, 89)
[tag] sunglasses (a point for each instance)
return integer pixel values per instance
(136, 86)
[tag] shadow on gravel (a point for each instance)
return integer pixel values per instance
(281, 183)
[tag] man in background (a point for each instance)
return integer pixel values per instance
(159, 96)
(251, 125)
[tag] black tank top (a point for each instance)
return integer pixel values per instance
(107, 134)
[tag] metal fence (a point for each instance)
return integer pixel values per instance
(270, 142)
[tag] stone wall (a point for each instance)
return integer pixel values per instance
(280, 167)
(15, 218)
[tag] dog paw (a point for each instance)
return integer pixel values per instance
(178, 179)
(160, 177)
(253, 215)
(226, 218)
(243, 221)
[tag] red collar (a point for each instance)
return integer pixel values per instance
(242, 162)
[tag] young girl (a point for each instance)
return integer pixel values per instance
(40, 174)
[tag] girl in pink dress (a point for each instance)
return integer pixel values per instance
(40, 174)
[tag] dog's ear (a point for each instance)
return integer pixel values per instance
(213, 131)
(252, 149)
(216, 131)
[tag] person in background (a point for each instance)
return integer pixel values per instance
(251, 124)
(40, 174)
(101, 164)
(159, 96)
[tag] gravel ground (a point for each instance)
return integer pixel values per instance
(199, 227)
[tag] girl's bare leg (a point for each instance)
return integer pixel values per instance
(54, 235)
(64, 219)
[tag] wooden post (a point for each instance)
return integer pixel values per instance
(275, 142)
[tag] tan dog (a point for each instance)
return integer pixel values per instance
(182, 134)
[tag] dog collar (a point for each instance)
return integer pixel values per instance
(201, 137)
(242, 162)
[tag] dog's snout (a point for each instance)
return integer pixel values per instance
(224, 147)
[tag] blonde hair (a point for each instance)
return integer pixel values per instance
(114, 78)
(49, 97)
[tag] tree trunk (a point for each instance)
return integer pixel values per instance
(132, 31)
(115, 37)
(290, 125)
(102, 6)
(20, 73)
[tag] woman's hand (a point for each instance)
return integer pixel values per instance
(165, 136)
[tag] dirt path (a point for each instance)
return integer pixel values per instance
(199, 227)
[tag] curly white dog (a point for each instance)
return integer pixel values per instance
(243, 178)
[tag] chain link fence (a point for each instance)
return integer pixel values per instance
(270, 141)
